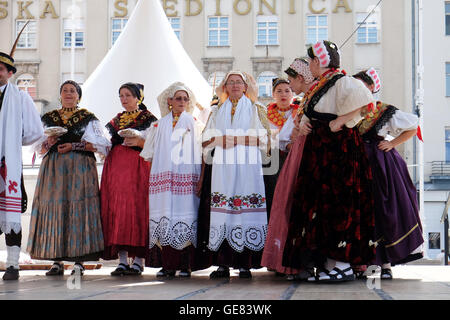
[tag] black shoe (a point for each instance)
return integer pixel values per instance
(133, 271)
(11, 274)
(340, 275)
(245, 274)
(224, 273)
(120, 270)
(57, 269)
(386, 274)
(165, 273)
(78, 266)
(185, 273)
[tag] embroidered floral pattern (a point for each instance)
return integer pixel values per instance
(252, 201)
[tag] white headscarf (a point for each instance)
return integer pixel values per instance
(251, 92)
(170, 93)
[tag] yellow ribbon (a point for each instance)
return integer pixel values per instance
(6, 61)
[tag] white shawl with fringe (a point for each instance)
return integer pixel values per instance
(176, 166)
(238, 200)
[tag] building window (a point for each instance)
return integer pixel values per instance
(367, 31)
(118, 24)
(77, 77)
(434, 240)
(265, 84)
(267, 30)
(317, 28)
(73, 31)
(28, 37)
(447, 144)
(447, 18)
(447, 79)
(26, 82)
(219, 75)
(218, 31)
(176, 26)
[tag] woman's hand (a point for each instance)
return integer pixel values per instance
(51, 141)
(64, 148)
(305, 128)
(46, 146)
(337, 124)
(230, 142)
(90, 147)
(224, 142)
(134, 142)
(386, 146)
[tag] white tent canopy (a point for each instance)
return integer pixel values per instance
(147, 52)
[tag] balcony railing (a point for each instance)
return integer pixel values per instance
(440, 168)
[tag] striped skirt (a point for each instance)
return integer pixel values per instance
(65, 219)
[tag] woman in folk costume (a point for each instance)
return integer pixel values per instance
(300, 81)
(65, 220)
(124, 185)
(397, 223)
(233, 201)
(281, 115)
(332, 217)
(174, 151)
(20, 125)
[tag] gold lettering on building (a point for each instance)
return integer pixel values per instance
(314, 11)
(167, 7)
(239, 11)
(342, 4)
(272, 8)
(49, 8)
(188, 7)
(218, 13)
(292, 7)
(24, 8)
(3, 11)
(122, 11)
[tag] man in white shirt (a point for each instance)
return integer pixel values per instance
(20, 124)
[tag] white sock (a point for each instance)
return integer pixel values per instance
(123, 258)
(386, 265)
(137, 261)
(13, 255)
(342, 266)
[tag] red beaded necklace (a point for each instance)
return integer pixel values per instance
(276, 115)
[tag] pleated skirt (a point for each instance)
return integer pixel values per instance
(65, 219)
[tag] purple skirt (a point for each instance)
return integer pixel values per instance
(397, 221)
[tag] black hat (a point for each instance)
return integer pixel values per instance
(8, 61)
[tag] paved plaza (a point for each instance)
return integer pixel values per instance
(412, 282)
